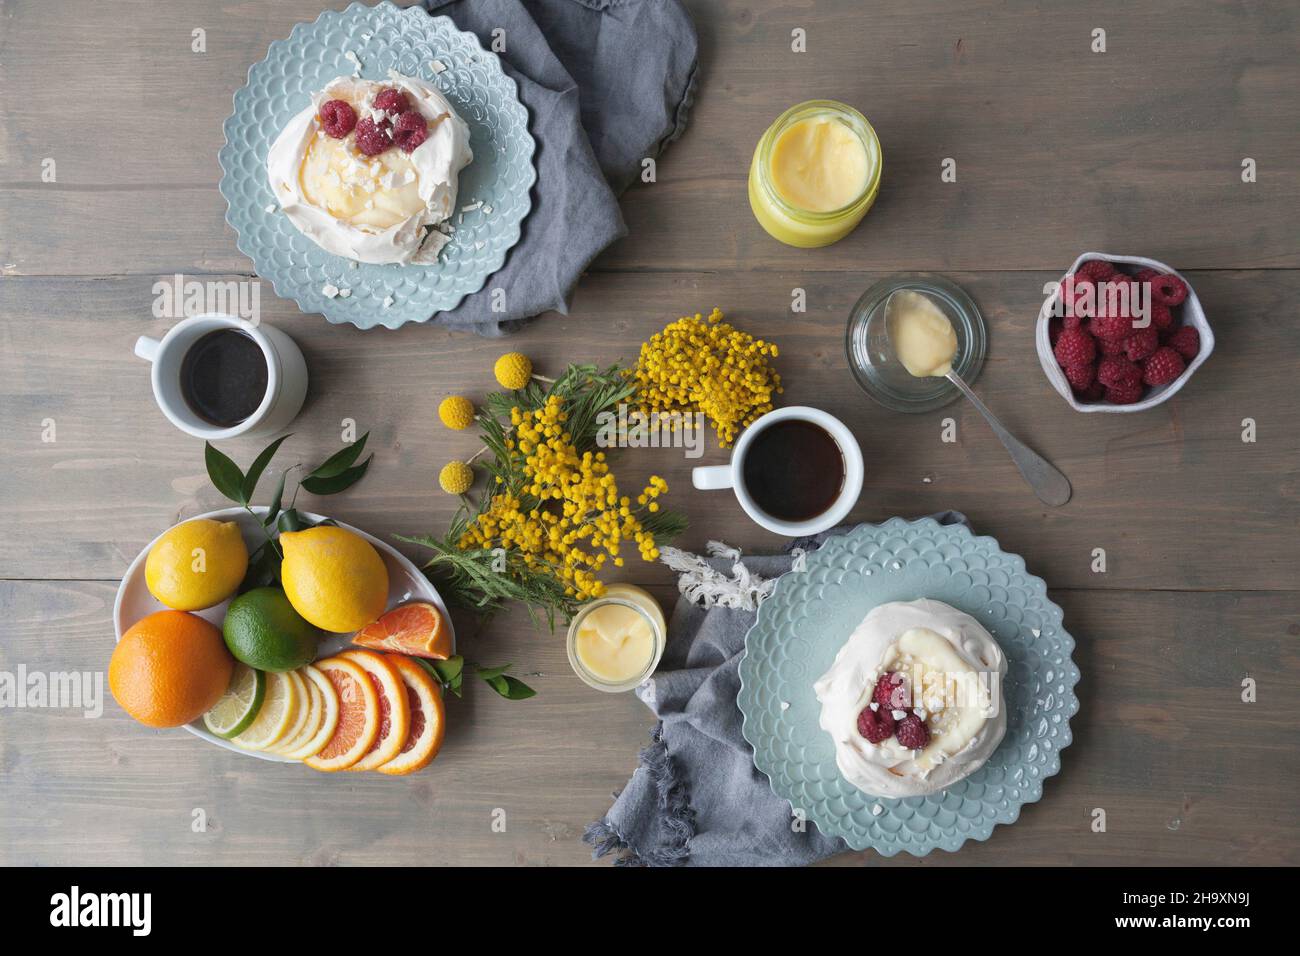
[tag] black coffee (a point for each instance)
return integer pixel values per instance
(794, 470)
(223, 377)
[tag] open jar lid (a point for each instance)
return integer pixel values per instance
(872, 361)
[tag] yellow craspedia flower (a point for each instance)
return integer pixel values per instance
(456, 412)
(456, 477)
(513, 370)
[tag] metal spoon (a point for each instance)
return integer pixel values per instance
(1051, 487)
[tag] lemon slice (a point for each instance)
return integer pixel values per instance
(239, 705)
(329, 714)
(310, 716)
(284, 692)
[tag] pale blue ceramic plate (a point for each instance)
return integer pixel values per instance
(810, 614)
(382, 37)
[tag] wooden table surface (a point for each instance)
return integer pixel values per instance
(1059, 150)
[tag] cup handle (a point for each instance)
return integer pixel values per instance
(712, 477)
(147, 348)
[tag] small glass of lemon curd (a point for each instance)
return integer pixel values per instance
(615, 641)
(815, 173)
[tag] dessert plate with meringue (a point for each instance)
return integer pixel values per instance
(910, 689)
(377, 165)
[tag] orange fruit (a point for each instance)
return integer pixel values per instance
(169, 668)
(417, 629)
(428, 719)
(358, 721)
(394, 711)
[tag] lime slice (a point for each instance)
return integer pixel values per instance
(279, 710)
(238, 707)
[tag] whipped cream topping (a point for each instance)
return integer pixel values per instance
(376, 209)
(954, 670)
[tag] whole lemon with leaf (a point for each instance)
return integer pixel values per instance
(333, 577)
(196, 564)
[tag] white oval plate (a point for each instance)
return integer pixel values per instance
(405, 583)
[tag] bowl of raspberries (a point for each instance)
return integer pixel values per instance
(1121, 334)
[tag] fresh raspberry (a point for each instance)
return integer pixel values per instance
(1110, 347)
(891, 692)
(1116, 370)
(1096, 270)
(876, 725)
(337, 117)
(1186, 341)
(1107, 326)
(392, 101)
(1163, 367)
(1073, 290)
(1161, 317)
(411, 140)
(372, 138)
(1141, 343)
(1054, 328)
(1146, 275)
(1116, 296)
(410, 130)
(912, 732)
(1075, 347)
(1125, 393)
(1071, 321)
(1093, 393)
(1168, 290)
(1080, 377)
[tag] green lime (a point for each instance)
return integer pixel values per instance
(264, 631)
(239, 705)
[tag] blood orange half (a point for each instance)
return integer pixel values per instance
(394, 711)
(358, 723)
(428, 719)
(417, 629)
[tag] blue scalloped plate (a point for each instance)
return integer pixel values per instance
(801, 627)
(382, 37)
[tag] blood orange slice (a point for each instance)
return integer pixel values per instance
(358, 723)
(394, 711)
(417, 629)
(428, 719)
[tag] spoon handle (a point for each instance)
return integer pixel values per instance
(1051, 487)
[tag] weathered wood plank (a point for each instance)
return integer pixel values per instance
(1177, 788)
(1058, 149)
(1173, 495)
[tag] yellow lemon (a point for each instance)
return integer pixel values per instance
(196, 564)
(333, 578)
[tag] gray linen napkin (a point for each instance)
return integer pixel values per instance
(697, 799)
(607, 83)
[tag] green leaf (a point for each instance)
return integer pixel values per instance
(263, 569)
(273, 510)
(487, 673)
(257, 467)
(511, 688)
(448, 673)
(333, 484)
(224, 474)
(291, 520)
(340, 461)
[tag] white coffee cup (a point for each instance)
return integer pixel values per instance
(286, 376)
(732, 475)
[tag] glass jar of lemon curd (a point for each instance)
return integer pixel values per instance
(815, 173)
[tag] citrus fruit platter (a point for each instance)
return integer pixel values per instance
(330, 667)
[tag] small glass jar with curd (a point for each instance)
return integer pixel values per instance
(615, 641)
(815, 173)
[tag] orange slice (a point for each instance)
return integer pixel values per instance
(358, 723)
(394, 711)
(417, 629)
(428, 719)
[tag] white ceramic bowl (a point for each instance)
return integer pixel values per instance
(1190, 311)
(405, 583)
